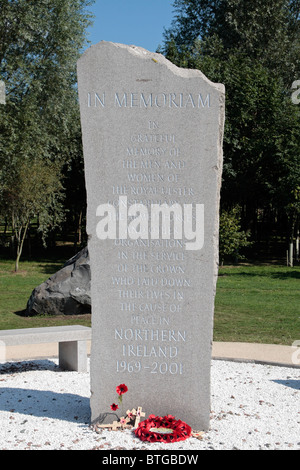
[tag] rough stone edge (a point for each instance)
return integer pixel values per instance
(158, 58)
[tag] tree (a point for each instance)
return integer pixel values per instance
(40, 43)
(75, 193)
(254, 49)
(287, 194)
(35, 191)
(232, 238)
(267, 31)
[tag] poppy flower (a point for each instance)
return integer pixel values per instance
(121, 389)
(114, 407)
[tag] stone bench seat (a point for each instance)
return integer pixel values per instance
(72, 342)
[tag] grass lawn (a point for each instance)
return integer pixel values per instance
(258, 304)
(255, 304)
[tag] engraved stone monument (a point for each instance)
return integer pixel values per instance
(152, 138)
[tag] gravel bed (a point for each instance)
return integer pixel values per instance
(254, 407)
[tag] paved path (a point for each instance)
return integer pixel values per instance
(261, 353)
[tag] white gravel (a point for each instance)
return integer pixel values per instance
(253, 407)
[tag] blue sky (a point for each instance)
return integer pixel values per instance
(132, 22)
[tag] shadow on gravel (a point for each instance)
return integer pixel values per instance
(25, 366)
(41, 403)
(289, 383)
(45, 404)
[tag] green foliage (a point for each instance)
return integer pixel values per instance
(254, 49)
(33, 190)
(39, 125)
(232, 239)
(38, 55)
(267, 31)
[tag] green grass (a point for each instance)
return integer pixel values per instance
(258, 304)
(255, 304)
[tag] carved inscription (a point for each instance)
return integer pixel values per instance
(150, 278)
(150, 100)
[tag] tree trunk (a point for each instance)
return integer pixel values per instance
(297, 240)
(291, 254)
(5, 229)
(291, 241)
(80, 228)
(20, 240)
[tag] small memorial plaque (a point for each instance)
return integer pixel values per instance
(162, 430)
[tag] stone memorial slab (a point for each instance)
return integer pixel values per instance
(152, 138)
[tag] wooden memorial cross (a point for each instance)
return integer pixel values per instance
(131, 413)
(138, 414)
(113, 427)
(122, 424)
(116, 425)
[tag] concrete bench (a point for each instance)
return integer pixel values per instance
(72, 341)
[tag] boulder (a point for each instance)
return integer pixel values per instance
(68, 292)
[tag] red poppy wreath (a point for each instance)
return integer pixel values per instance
(166, 429)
